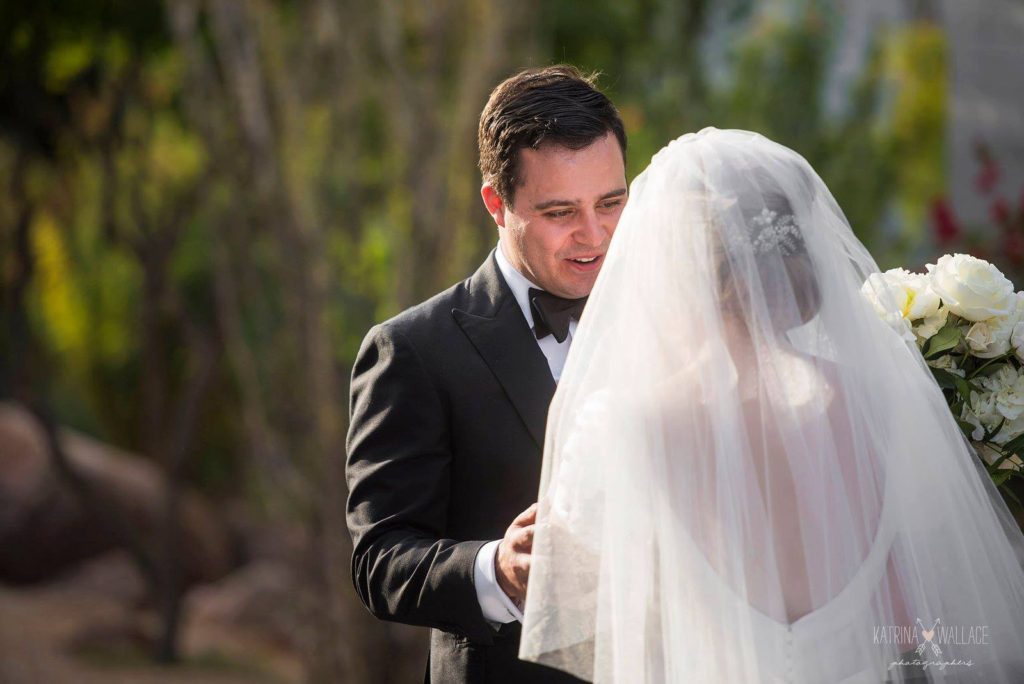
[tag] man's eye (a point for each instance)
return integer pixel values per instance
(559, 214)
(611, 205)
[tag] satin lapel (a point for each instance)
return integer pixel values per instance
(498, 330)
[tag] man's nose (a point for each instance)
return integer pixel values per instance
(590, 230)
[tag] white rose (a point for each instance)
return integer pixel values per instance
(990, 338)
(972, 288)
(911, 293)
(1017, 339)
(920, 301)
(928, 326)
(889, 298)
(985, 342)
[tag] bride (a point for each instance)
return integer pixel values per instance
(748, 476)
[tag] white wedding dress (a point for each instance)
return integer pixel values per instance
(748, 476)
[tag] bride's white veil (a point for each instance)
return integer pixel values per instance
(748, 475)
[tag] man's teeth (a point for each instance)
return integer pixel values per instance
(586, 260)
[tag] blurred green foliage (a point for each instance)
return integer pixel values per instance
(145, 181)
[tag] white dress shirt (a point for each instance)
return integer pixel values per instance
(497, 607)
(555, 351)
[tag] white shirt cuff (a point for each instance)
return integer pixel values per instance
(497, 607)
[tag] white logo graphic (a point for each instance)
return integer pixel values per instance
(927, 635)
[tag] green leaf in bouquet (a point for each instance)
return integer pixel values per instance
(944, 378)
(1006, 491)
(947, 338)
(989, 434)
(993, 467)
(987, 370)
(990, 366)
(1014, 446)
(926, 347)
(929, 347)
(1001, 477)
(966, 428)
(964, 388)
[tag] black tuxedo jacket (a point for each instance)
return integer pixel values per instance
(448, 407)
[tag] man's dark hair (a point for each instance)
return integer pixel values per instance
(556, 104)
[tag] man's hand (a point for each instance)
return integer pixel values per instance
(512, 560)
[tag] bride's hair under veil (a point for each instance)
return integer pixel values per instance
(749, 476)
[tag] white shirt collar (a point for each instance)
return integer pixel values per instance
(517, 282)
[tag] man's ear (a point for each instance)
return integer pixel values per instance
(495, 206)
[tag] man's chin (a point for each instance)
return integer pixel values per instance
(575, 289)
(568, 282)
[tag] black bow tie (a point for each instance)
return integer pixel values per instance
(551, 313)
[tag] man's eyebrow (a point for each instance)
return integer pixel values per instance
(613, 193)
(553, 203)
(571, 203)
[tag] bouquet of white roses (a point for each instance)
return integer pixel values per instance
(968, 322)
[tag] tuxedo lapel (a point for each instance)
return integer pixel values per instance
(494, 323)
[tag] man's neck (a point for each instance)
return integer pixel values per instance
(514, 263)
(512, 259)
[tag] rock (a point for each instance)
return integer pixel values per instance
(250, 615)
(113, 575)
(260, 596)
(45, 528)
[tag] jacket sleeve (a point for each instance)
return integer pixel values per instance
(397, 469)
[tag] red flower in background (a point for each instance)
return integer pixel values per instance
(1001, 212)
(1013, 247)
(987, 178)
(988, 174)
(1006, 243)
(945, 224)
(1012, 227)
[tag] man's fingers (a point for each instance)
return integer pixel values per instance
(524, 541)
(527, 517)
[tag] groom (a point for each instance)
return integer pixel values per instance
(449, 399)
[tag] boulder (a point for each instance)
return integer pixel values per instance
(46, 527)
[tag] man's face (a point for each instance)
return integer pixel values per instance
(557, 229)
